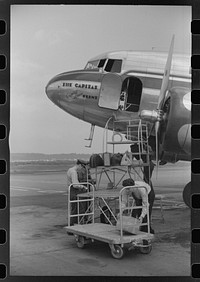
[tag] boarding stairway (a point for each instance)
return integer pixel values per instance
(131, 132)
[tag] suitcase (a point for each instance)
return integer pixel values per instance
(96, 160)
(127, 159)
(116, 159)
(106, 158)
(129, 224)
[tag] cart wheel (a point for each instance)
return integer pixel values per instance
(145, 250)
(117, 252)
(80, 241)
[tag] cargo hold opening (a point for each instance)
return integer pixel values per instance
(131, 94)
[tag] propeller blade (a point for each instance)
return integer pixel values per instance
(157, 145)
(162, 96)
(157, 117)
(165, 80)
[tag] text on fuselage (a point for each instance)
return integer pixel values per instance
(80, 85)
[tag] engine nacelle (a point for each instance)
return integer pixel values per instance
(177, 136)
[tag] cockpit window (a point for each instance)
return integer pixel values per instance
(109, 65)
(113, 65)
(92, 64)
(101, 63)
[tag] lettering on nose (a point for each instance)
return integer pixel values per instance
(91, 86)
(66, 84)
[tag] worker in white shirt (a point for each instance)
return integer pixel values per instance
(141, 197)
(77, 188)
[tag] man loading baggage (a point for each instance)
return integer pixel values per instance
(84, 173)
(77, 188)
(141, 197)
(85, 176)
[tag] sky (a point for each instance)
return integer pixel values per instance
(51, 39)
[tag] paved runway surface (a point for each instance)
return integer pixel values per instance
(39, 244)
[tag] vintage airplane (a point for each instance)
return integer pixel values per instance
(128, 85)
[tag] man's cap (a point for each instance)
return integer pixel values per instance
(82, 162)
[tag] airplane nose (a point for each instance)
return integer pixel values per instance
(63, 91)
(48, 90)
(52, 90)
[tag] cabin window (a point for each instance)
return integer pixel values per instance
(113, 65)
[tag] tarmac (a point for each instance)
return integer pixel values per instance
(39, 245)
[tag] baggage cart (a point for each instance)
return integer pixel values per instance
(118, 240)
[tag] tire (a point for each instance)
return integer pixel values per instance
(117, 252)
(187, 194)
(80, 241)
(146, 249)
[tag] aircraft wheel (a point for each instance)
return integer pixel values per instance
(117, 252)
(187, 194)
(146, 249)
(80, 241)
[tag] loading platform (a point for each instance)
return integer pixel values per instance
(117, 227)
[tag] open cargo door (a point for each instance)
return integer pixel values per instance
(110, 91)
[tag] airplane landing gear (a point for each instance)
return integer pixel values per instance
(187, 194)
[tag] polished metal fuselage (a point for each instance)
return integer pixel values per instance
(78, 92)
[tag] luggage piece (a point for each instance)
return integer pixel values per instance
(126, 159)
(116, 159)
(106, 158)
(129, 224)
(96, 160)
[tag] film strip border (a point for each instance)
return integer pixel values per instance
(4, 135)
(195, 134)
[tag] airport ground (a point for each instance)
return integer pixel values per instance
(40, 246)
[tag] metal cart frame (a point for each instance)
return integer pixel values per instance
(89, 199)
(118, 241)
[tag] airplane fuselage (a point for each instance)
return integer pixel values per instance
(93, 94)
